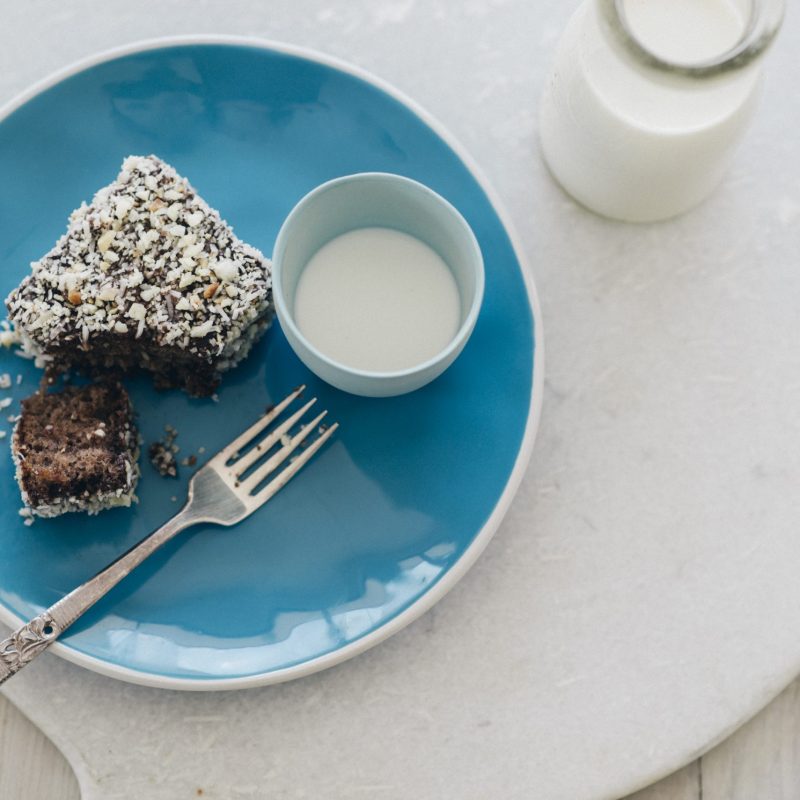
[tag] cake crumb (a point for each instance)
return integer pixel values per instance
(8, 337)
(5, 381)
(5, 402)
(3, 434)
(189, 461)
(162, 454)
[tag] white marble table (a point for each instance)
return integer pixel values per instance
(761, 760)
(641, 599)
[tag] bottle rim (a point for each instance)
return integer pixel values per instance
(766, 18)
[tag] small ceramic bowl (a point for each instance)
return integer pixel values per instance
(376, 199)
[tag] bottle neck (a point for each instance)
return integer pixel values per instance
(759, 22)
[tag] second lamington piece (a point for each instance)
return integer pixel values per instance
(76, 450)
(146, 276)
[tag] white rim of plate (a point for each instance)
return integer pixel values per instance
(471, 554)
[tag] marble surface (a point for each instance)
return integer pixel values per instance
(641, 600)
(760, 760)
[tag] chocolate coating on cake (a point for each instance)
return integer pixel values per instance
(146, 276)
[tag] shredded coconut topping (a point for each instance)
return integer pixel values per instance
(146, 250)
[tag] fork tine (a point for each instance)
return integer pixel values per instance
(274, 461)
(278, 482)
(264, 446)
(240, 441)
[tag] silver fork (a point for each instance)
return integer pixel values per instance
(222, 492)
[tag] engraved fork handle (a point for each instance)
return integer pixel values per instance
(34, 638)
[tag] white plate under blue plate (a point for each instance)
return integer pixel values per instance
(387, 518)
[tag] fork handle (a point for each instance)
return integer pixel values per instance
(29, 641)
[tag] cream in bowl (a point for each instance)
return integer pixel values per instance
(377, 299)
(378, 283)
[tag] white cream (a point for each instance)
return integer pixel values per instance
(634, 143)
(378, 300)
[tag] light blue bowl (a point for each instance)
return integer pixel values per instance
(376, 199)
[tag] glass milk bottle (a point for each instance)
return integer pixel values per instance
(647, 100)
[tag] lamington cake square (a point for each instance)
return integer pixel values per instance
(76, 450)
(147, 276)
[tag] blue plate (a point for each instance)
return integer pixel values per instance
(389, 516)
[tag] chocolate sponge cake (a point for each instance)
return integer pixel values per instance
(146, 276)
(76, 450)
